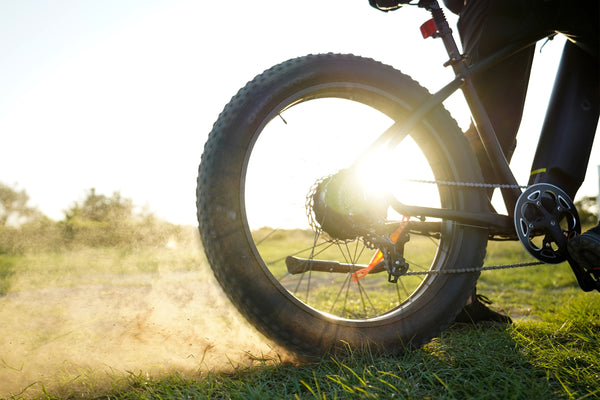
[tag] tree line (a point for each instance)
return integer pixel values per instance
(98, 220)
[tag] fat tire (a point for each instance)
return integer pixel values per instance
(228, 245)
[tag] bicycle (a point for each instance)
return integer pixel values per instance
(336, 149)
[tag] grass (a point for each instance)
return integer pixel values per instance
(87, 266)
(551, 352)
(7, 270)
(531, 361)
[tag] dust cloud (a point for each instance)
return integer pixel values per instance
(84, 338)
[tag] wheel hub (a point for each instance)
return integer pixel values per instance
(344, 209)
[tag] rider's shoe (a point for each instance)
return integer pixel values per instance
(477, 312)
(585, 249)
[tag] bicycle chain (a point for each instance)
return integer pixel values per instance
(467, 270)
(467, 184)
(315, 225)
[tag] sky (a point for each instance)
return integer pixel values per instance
(120, 95)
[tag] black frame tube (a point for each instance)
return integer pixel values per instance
(463, 80)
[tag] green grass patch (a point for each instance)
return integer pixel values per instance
(7, 270)
(89, 266)
(528, 361)
(551, 352)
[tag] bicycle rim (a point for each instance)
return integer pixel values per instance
(310, 136)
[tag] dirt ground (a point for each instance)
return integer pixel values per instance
(88, 336)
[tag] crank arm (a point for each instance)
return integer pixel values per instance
(486, 220)
(297, 265)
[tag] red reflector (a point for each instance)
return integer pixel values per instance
(428, 29)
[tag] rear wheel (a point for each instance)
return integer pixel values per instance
(274, 145)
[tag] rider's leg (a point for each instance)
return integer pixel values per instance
(570, 125)
(485, 26)
(488, 25)
(574, 111)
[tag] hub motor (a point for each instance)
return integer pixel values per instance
(344, 208)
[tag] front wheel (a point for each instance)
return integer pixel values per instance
(282, 136)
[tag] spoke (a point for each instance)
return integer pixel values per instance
(403, 288)
(345, 252)
(346, 285)
(398, 295)
(347, 281)
(267, 236)
(364, 292)
(311, 257)
(316, 238)
(328, 288)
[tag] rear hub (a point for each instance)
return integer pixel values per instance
(344, 209)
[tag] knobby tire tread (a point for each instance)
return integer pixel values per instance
(218, 241)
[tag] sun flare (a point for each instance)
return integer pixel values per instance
(320, 138)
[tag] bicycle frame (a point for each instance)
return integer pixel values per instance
(497, 223)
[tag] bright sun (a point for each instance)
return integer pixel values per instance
(316, 139)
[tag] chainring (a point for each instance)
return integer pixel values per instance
(545, 218)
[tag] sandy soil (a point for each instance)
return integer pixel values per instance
(79, 337)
